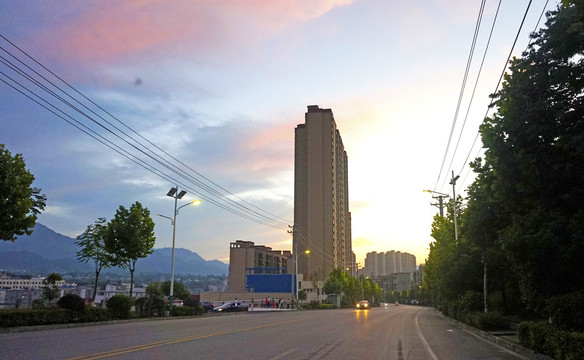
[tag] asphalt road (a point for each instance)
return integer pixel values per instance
(403, 332)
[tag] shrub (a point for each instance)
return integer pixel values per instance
(327, 306)
(567, 311)
(71, 302)
(150, 306)
(120, 306)
(472, 301)
(93, 314)
(487, 321)
(186, 310)
(545, 338)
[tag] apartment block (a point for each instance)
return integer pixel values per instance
(391, 262)
(246, 258)
(322, 221)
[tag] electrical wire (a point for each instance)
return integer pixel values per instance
(501, 77)
(474, 89)
(223, 199)
(461, 94)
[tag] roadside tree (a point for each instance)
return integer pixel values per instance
(92, 248)
(51, 290)
(19, 203)
(129, 236)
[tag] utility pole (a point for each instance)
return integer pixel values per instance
(440, 205)
(440, 198)
(453, 183)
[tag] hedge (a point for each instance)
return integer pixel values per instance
(547, 339)
(186, 310)
(29, 317)
(487, 321)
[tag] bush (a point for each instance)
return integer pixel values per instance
(487, 321)
(71, 302)
(327, 306)
(150, 306)
(93, 314)
(120, 306)
(567, 311)
(186, 310)
(547, 339)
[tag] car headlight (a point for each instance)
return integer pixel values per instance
(357, 305)
(220, 310)
(365, 305)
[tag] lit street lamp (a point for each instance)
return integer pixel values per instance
(173, 193)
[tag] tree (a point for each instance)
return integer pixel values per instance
(51, 290)
(318, 279)
(163, 289)
(535, 148)
(302, 295)
(92, 247)
(179, 290)
(19, 203)
(129, 236)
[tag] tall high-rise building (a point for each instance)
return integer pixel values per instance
(322, 221)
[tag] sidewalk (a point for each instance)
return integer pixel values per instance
(500, 338)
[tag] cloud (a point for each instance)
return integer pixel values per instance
(136, 27)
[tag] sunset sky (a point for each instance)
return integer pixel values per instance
(221, 85)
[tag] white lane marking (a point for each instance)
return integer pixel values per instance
(284, 354)
(424, 342)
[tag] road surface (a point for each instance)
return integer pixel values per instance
(395, 332)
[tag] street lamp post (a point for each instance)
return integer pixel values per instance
(174, 193)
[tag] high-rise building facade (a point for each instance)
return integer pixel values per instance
(391, 262)
(322, 221)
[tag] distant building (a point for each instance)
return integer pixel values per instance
(391, 262)
(322, 221)
(246, 258)
(113, 289)
(16, 283)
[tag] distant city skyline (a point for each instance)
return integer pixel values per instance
(222, 86)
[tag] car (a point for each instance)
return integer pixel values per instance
(362, 305)
(396, 303)
(233, 306)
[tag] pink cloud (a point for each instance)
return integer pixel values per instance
(109, 31)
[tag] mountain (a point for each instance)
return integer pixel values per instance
(46, 251)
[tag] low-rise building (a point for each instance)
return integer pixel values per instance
(113, 289)
(17, 283)
(244, 255)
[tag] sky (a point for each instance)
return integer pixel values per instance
(221, 85)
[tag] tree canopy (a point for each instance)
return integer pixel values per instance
(524, 214)
(92, 248)
(129, 236)
(19, 203)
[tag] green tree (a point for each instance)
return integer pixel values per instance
(318, 279)
(179, 290)
(19, 203)
(302, 295)
(129, 236)
(51, 290)
(535, 148)
(92, 247)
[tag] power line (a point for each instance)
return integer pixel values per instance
(502, 74)
(474, 89)
(218, 198)
(461, 94)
